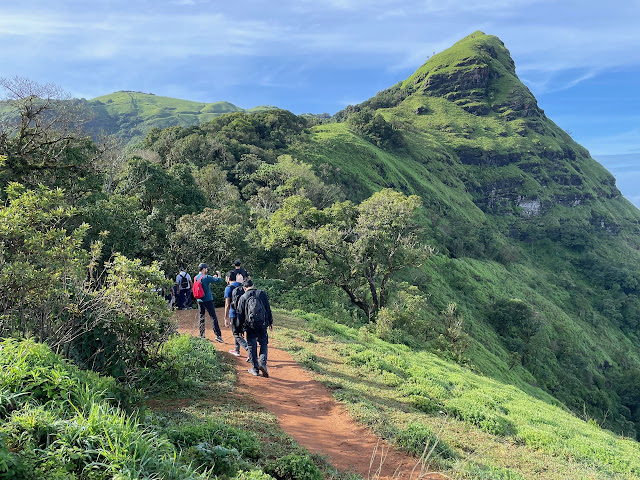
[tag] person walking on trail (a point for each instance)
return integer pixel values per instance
(230, 316)
(241, 273)
(254, 313)
(183, 282)
(205, 303)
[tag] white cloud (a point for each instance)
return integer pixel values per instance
(28, 25)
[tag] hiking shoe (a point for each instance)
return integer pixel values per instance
(219, 339)
(263, 369)
(253, 371)
(234, 353)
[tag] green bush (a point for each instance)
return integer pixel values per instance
(66, 423)
(187, 364)
(11, 465)
(418, 439)
(252, 475)
(215, 433)
(215, 458)
(293, 467)
(307, 359)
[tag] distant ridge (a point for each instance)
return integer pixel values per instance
(130, 115)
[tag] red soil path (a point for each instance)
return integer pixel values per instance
(306, 410)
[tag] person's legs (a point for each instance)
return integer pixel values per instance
(240, 342)
(263, 340)
(201, 311)
(252, 348)
(181, 297)
(214, 319)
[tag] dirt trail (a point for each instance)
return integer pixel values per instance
(306, 410)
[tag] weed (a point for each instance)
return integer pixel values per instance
(293, 467)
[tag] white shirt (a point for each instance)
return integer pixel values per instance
(179, 277)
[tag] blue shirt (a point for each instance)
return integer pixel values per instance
(227, 294)
(206, 280)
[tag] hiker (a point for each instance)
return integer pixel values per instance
(232, 293)
(254, 313)
(205, 303)
(241, 273)
(183, 281)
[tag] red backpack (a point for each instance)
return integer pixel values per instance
(198, 291)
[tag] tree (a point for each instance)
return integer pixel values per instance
(216, 236)
(41, 137)
(164, 196)
(357, 248)
(43, 267)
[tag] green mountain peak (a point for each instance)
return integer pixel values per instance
(478, 74)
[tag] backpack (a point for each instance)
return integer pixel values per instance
(256, 314)
(198, 290)
(184, 282)
(236, 293)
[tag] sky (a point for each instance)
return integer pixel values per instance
(580, 58)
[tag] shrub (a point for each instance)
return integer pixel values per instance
(66, 423)
(186, 364)
(293, 467)
(307, 359)
(216, 458)
(252, 475)
(215, 433)
(418, 439)
(11, 465)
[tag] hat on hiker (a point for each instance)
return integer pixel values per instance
(202, 266)
(237, 263)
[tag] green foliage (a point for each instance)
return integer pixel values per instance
(40, 143)
(469, 412)
(42, 266)
(252, 475)
(11, 465)
(186, 367)
(375, 128)
(418, 439)
(66, 423)
(355, 248)
(205, 237)
(130, 115)
(135, 313)
(215, 433)
(293, 467)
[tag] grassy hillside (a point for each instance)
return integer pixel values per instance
(484, 429)
(130, 115)
(517, 210)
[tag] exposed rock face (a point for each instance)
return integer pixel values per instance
(530, 208)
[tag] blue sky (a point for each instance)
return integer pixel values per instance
(581, 59)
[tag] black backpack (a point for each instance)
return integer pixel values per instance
(236, 293)
(184, 282)
(255, 313)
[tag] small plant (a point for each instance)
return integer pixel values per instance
(307, 359)
(252, 475)
(418, 439)
(451, 334)
(293, 467)
(214, 433)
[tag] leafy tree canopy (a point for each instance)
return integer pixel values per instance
(354, 247)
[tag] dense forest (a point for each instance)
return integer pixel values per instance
(446, 213)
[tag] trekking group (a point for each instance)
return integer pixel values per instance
(246, 311)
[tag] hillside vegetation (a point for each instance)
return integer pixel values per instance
(468, 252)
